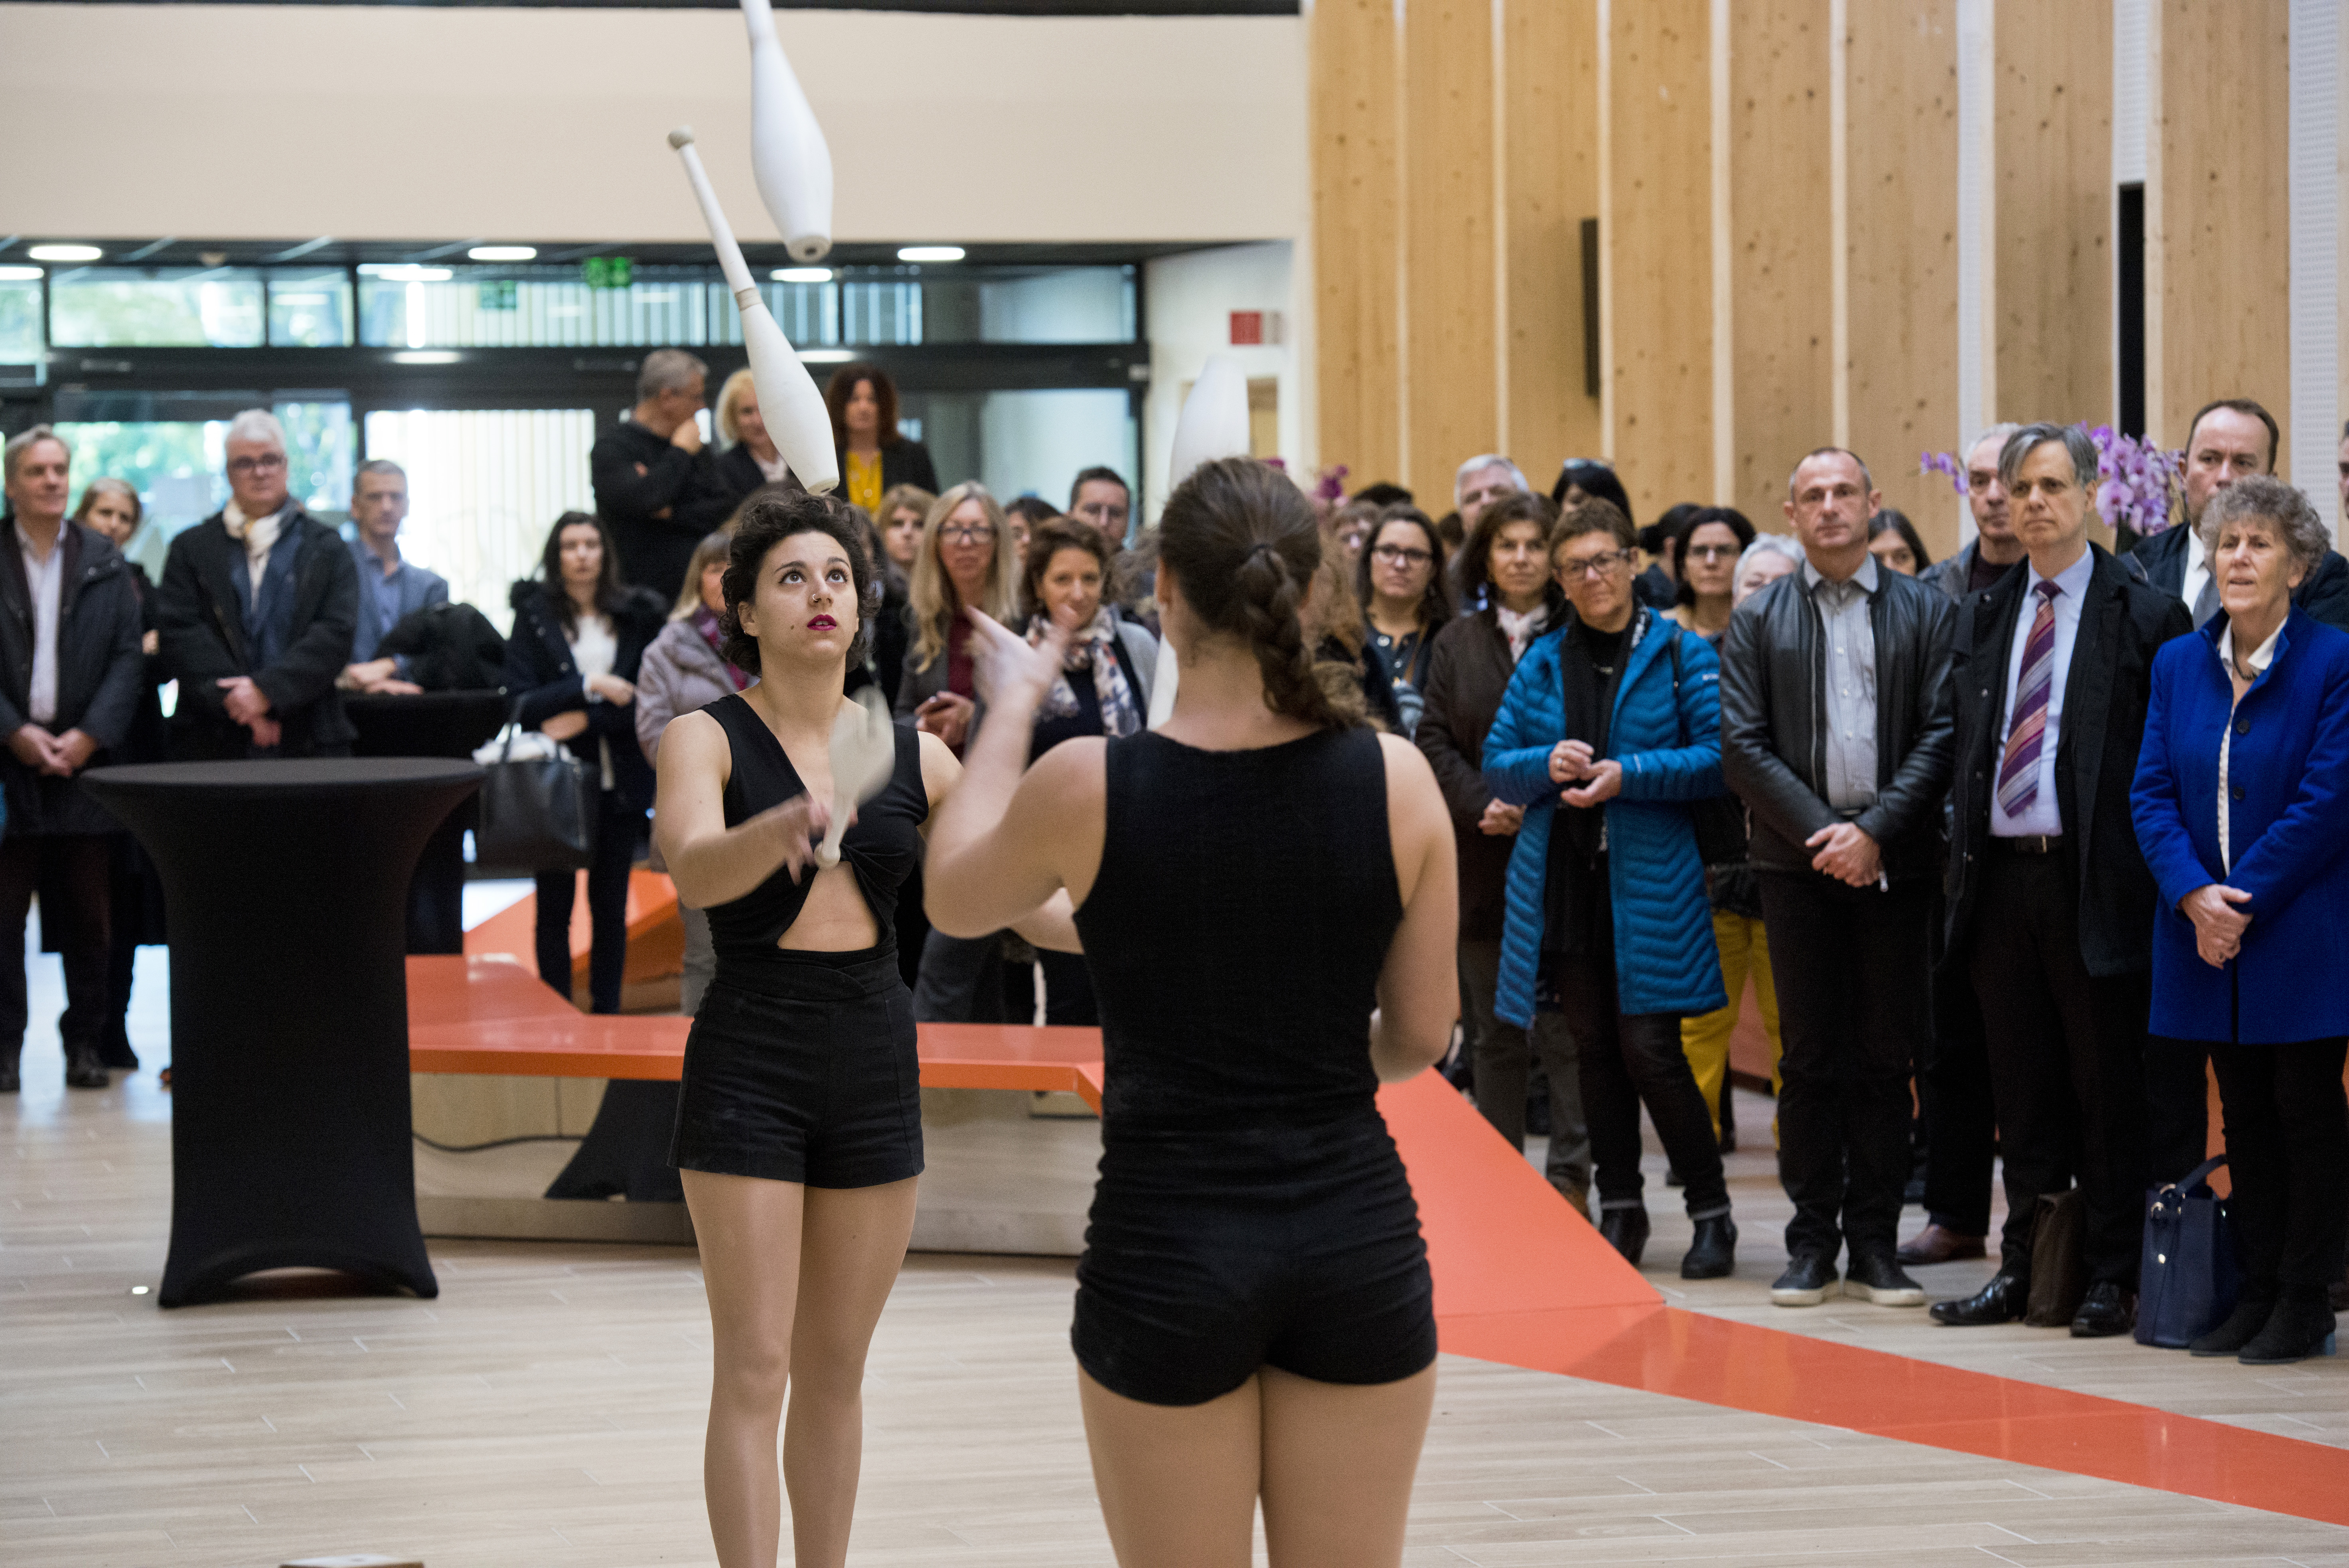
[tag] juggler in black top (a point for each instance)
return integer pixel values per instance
(1252, 1210)
(801, 1065)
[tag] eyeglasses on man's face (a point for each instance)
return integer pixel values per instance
(1401, 555)
(968, 533)
(1599, 567)
(267, 462)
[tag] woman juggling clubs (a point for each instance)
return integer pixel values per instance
(799, 1118)
(1254, 1317)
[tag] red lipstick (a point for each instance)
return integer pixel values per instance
(822, 623)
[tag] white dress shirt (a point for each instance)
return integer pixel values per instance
(45, 577)
(2198, 566)
(594, 650)
(2042, 815)
(2259, 662)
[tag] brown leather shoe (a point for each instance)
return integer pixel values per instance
(1936, 1244)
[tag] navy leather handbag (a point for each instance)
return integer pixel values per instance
(2188, 1276)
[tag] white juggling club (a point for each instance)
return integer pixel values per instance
(788, 401)
(863, 755)
(1213, 423)
(1214, 419)
(789, 156)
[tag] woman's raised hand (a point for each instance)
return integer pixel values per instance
(1009, 668)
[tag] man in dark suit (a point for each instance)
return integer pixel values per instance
(390, 588)
(69, 677)
(257, 611)
(2051, 906)
(653, 480)
(2229, 439)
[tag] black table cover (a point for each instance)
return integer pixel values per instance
(432, 724)
(286, 885)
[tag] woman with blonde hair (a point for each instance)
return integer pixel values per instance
(750, 458)
(904, 509)
(965, 562)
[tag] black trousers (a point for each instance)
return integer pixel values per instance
(2178, 1106)
(1068, 990)
(1504, 1058)
(2287, 1128)
(2066, 1062)
(1961, 1127)
(75, 871)
(1851, 969)
(1628, 1059)
(617, 824)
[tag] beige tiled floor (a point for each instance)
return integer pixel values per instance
(547, 1408)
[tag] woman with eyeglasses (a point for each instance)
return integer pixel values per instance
(965, 561)
(1584, 479)
(1609, 731)
(1400, 581)
(1704, 553)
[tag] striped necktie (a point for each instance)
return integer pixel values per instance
(2018, 774)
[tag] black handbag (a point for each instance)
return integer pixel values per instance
(538, 814)
(2188, 1275)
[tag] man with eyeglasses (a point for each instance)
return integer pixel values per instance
(1838, 732)
(257, 609)
(1101, 500)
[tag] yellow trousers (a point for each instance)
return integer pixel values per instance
(1704, 1040)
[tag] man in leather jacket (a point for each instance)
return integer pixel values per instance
(1838, 732)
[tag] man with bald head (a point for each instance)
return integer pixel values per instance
(2230, 440)
(1836, 731)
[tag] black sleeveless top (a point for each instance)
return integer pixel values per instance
(883, 846)
(1237, 930)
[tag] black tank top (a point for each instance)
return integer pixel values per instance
(1236, 930)
(884, 845)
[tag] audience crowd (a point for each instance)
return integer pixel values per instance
(2012, 847)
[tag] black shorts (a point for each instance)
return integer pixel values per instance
(1212, 1255)
(802, 1068)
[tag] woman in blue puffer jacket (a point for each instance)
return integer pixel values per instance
(1610, 727)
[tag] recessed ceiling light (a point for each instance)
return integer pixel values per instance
(503, 253)
(929, 253)
(406, 271)
(20, 274)
(826, 355)
(424, 357)
(801, 274)
(65, 252)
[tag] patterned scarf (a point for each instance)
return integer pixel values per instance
(1094, 646)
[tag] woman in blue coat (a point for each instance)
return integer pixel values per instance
(2241, 807)
(1609, 727)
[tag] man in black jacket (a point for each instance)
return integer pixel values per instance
(2230, 440)
(70, 670)
(1836, 731)
(2051, 906)
(257, 611)
(654, 484)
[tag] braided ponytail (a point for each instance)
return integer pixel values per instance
(1244, 542)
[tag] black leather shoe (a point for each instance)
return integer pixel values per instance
(1713, 1255)
(2250, 1315)
(2004, 1300)
(118, 1054)
(1876, 1278)
(2108, 1310)
(2300, 1326)
(1626, 1231)
(1807, 1282)
(84, 1070)
(9, 1081)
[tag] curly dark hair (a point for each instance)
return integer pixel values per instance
(1048, 541)
(766, 521)
(1243, 543)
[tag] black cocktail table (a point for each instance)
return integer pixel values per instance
(432, 724)
(285, 885)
